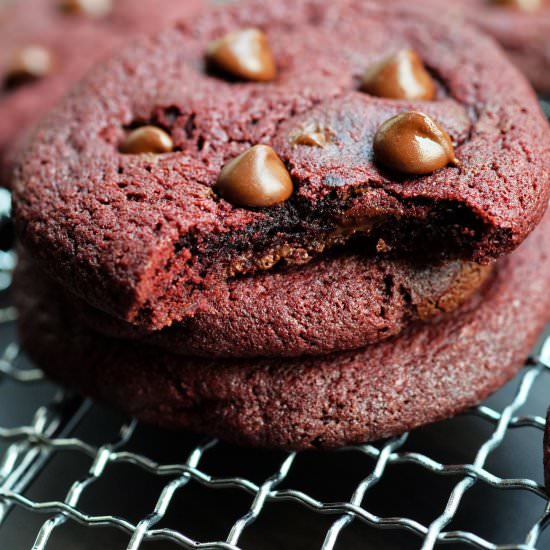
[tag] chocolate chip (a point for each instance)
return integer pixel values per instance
(413, 143)
(523, 5)
(90, 8)
(312, 135)
(147, 139)
(401, 76)
(243, 54)
(256, 178)
(28, 64)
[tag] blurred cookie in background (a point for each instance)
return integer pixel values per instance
(522, 27)
(47, 45)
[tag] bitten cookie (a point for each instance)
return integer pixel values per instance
(428, 373)
(47, 45)
(334, 304)
(268, 132)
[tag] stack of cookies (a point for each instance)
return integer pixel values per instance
(289, 224)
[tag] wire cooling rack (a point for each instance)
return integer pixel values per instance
(76, 476)
(30, 447)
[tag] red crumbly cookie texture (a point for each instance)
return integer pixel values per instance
(334, 304)
(141, 236)
(430, 372)
(77, 42)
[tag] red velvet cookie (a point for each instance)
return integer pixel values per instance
(524, 36)
(428, 373)
(141, 236)
(47, 45)
(522, 27)
(334, 304)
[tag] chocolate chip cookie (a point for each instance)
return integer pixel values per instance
(261, 134)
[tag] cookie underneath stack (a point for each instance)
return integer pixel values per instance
(298, 251)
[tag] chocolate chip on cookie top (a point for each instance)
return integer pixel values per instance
(27, 64)
(256, 178)
(400, 76)
(147, 139)
(90, 8)
(523, 5)
(243, 54)
(413, 143)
